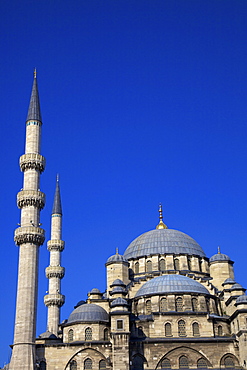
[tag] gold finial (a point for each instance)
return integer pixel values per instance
(161, 224)
(35, 73)
(218, 250)
(117, 250)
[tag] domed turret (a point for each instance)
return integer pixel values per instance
(221, 269)
(117, 269)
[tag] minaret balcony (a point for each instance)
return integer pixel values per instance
(32, 161)
(34, 198)
(54, 300)
(55, 271)
(55, 245)
(29, 234)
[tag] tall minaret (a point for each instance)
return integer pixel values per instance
(29, 236)
(54, 299)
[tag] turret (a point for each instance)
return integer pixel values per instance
(29, 236)
(221, 268)
(117, 267)
(54, 272)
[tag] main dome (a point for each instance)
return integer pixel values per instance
(171, 284)
(163, 241)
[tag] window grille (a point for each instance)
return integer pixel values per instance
(149, 266)
(183, 363)
(220, 331)
(194, 304)
(162, 265)
(88, 334)
(168, 330)
(165, 364)
(137, 268)
(179, 304)
(229, 363)
(148, 308)
(202, 364)
(88, 365)
(195, 329)
(181, 328)
(102, 365)
(73, 365)
(70, 335)
(163, 305)
(176, 264)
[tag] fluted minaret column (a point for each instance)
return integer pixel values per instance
(54, 299)
(29, 236)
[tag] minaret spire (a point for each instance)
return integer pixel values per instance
(29, 236)
(54, 272)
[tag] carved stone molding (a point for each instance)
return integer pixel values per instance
(54, 299)
(34, 198)
(55, 245)
(29, 234)
(32, 161)
(55, 271)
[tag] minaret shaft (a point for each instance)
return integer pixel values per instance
(28, 237)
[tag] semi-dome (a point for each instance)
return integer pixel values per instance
(171, 284)
(88, 312)
(219, 257)
(163, 241)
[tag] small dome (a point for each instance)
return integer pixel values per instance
(163, 241)
(237, 287)
(118, 282)
(118, 289)
(242, 299)
(116, 258)
(229, 281)
(219, 257)
(171, 284)
(119, 302)
(79, 303)
(95, 291)
(88, 312)
(47, 335)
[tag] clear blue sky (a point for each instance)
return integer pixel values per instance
(142, 102)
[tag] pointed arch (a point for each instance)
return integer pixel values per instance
(73, 365)
(195, 329)
(88, 364)
(179, 304)
(176, 264)
(137, 268)
(181, 328)
(162, 265)
(88, 333)
(163, 305)
(165, 364)
(70, 335)
(168, 329)
(102, 364)
(149, 267)
(183, 362)
(202, 364)
(148, 307)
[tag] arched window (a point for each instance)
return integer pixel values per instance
(176, 264)
(137, 363)
(200, 264)
(229, 363)
(102, 365)
(88, 334)
(136, 308)
(179, 304)
(88, 365)
(148, 307)
(70, 335)
(106, 334)
(202, 364)
(162, 265)
(163, 305)
(181, 328)
(220, 331)
(149, 266)
(189, 263)
(168, 330)
(165, 364)
(195, 329)
(194, 304)
(183, 362)
(137, 268)
(42, 365)
(73, 365)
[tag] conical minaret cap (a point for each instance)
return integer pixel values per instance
(34, 105)
(57, 205)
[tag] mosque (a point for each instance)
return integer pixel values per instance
(166, 304)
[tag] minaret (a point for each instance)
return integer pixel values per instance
(54, 299)
(29, 236)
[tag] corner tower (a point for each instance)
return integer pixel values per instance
(29, 236)
(54, 299)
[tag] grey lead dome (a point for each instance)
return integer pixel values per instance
(171, 284)
(89, 313)
(163, 241)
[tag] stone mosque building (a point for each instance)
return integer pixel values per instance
(166, 304)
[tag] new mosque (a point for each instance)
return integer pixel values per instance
(166, 304)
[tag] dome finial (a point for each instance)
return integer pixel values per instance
(218, 250)
(161, 224)
(35, 73)
(117, 250)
